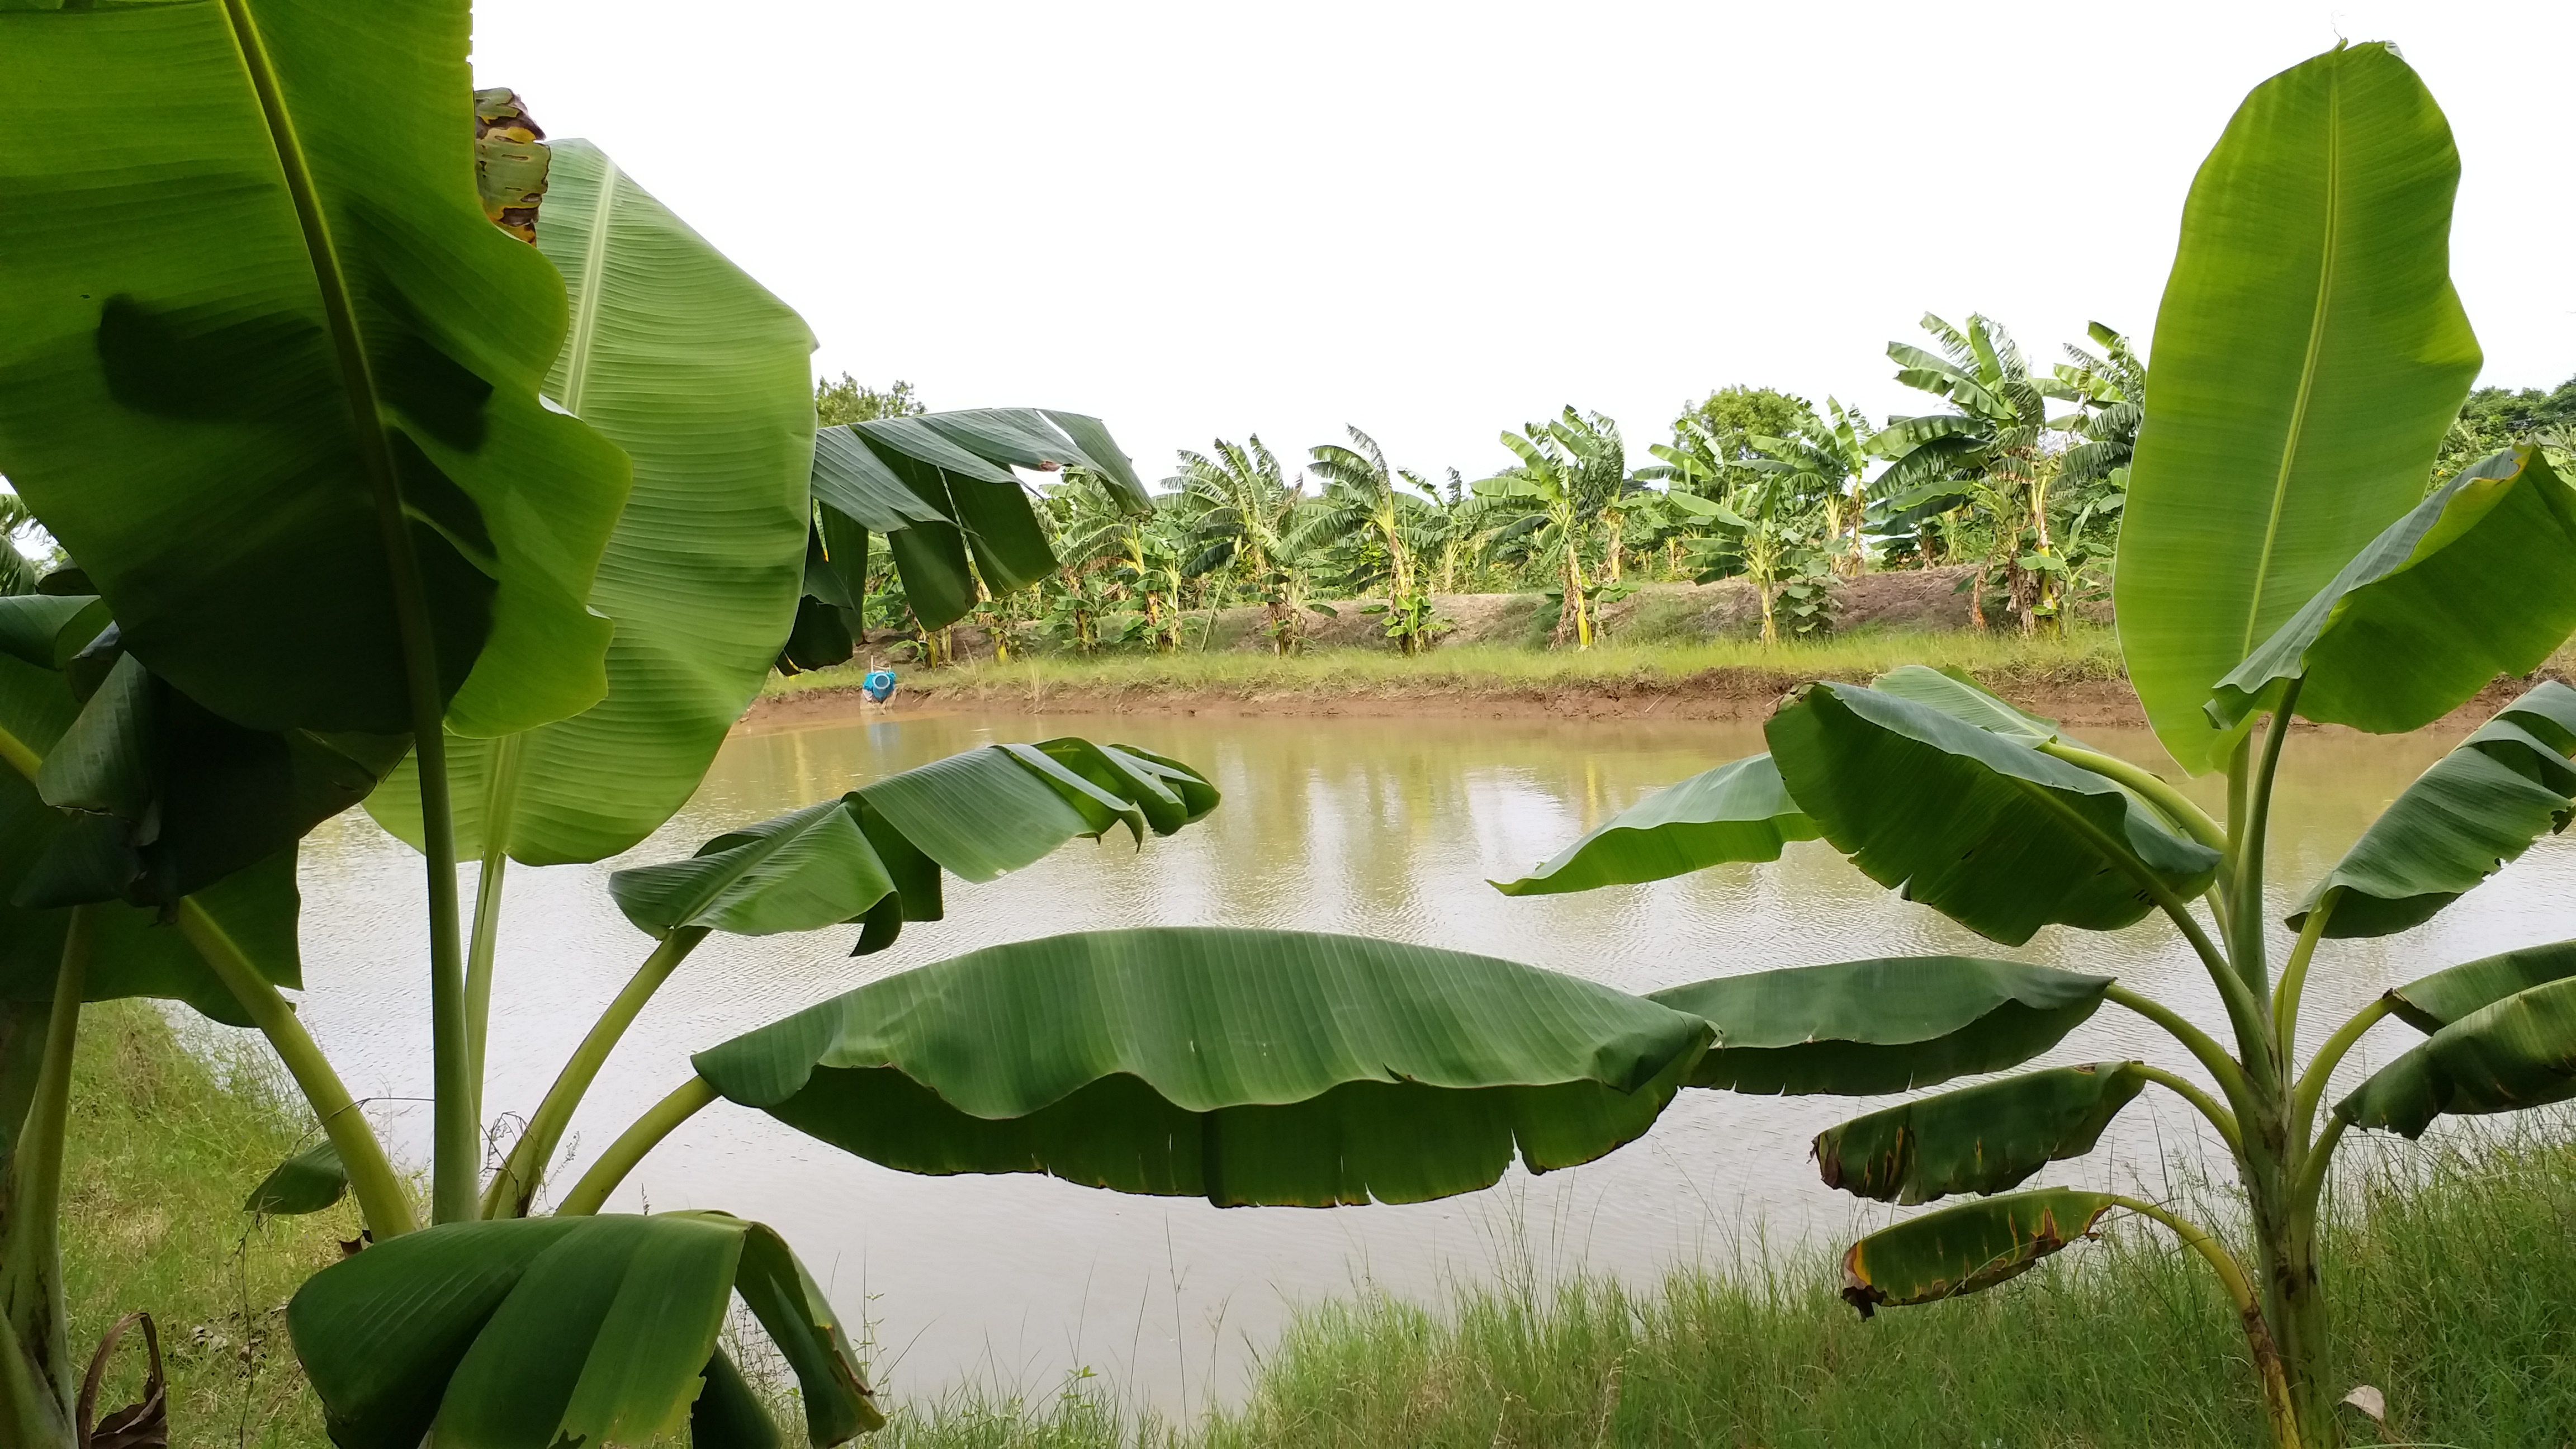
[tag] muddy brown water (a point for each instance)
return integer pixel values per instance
(1375, 826)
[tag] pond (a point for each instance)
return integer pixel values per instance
(1384, 827)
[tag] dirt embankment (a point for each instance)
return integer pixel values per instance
(1654, 614)
(1708, 694)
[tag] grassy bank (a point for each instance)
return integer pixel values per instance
(2452, 1298)
(2085, 653)
(164, 1146)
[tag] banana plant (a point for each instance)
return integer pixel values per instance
(1777, 533)
(1827, 460)
(1985, 453)
(1245, 513)
(1572, 472)
(2277, 564)
(1366, 502)
(383, 502)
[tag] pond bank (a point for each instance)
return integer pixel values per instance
(2123, 1341)
(2076, 679)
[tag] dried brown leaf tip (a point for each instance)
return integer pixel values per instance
(142, 1425)
(510, 161)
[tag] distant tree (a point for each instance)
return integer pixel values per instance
(852, 401)
(1733, 414)
(2495, 418)
(17, 571)
(1712, 447)
(1442, 536)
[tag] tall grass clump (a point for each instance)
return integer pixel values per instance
(171, 1143)
(2451, 1298)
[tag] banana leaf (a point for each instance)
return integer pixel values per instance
(43, 849)
(1738, 811)
(2478, 807)
(2477, 580)
(1871, 1028)
(165, 797)
(700, 375)
(265, 343)
(1993, 834)
(2310, 355)
(308, 1182)
(1984, 1139)
(537, 1333)
(939, 486)
(2433, 1002)
(1241, 1066)
(1963, 1249)
(1967, 701)
(2514, 1053)
(874, 856)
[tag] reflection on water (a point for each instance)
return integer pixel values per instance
(1381, 827)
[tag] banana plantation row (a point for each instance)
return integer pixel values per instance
(2023, 476)
(1753, 483)
(414, 464)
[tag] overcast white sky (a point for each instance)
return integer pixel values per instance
(1437, 221)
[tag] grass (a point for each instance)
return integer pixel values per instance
(2452, 1302)
(164, 1146)
(2451, 1297)
(2451, 1289)
(2085, 652)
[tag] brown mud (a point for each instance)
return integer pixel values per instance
(1711, 694)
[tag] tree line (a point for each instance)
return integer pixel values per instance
(2018, 471)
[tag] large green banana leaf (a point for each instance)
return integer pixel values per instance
(133, 954)
(2477, 580)
(1965, 700)
(874, 855)
(1871, 1028)
(167, 797)
(1982, 1139)
(2309, 356)
(1993, 834)
(693, 368)
(308, 1182)
(852, 481)
(2433, 1002)
(543, 1333)
(1738, 811)
(2479, 806)
(940, 488)
(1962, 1249)
(2513, 1053)
(259, 342)
(1241, 1066)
